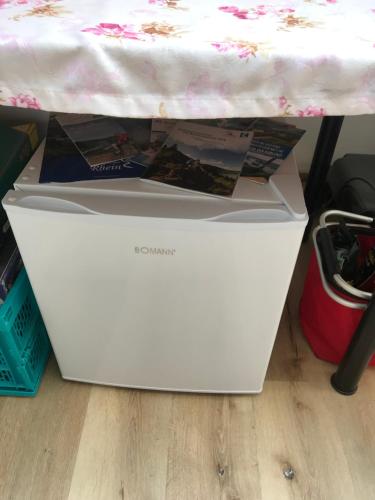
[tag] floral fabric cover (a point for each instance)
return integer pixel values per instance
(189, 58)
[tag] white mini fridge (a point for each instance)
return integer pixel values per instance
(146, 286)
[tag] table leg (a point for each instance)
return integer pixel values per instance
(357, 356)
(324, 150)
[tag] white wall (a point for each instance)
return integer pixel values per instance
(357, 136)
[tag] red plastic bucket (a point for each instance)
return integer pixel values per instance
(327, 325)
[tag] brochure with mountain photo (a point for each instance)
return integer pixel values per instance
(201, 158)
(273, 140)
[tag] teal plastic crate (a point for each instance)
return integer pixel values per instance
(24, 343)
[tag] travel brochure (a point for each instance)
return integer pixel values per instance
(272, 141)
(107, 142)
(201, 158)
(271, 144)
(207, 156)
(86, 147)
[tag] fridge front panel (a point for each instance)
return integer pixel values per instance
(189, 307)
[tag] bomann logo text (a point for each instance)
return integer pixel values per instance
(154, 251)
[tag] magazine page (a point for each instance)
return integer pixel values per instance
(63, 162)
(271, 144)
(108, 143)
(201, 158)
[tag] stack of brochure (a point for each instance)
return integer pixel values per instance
(207, 156)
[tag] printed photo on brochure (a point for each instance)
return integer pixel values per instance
(201, 158)
(63, 162)
(272, 142)
(104, 140)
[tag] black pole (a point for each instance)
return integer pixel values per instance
(361, 348)
(324, 150)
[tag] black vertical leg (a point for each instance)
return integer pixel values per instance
(358, 354)
(324, 149)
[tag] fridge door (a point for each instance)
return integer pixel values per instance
(189, 304)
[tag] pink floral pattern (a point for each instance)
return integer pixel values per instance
(35, 8)
(286, 15)
(189, 58)
(310, 110)
(256, 12)
(243, 49)
(24, 101)
(9, 3)
(219, 90)
(147, 31)
(29, 3)
(90, 81)
(112, 30)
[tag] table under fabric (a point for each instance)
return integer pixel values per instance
(189, 58)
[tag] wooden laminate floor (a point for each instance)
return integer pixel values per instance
(82, 442)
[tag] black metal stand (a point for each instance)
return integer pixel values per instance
(361, 348)
(324, 150)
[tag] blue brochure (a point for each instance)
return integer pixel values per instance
(102, 148)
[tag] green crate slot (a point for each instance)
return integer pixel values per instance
(3, 363)
(24, 343)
